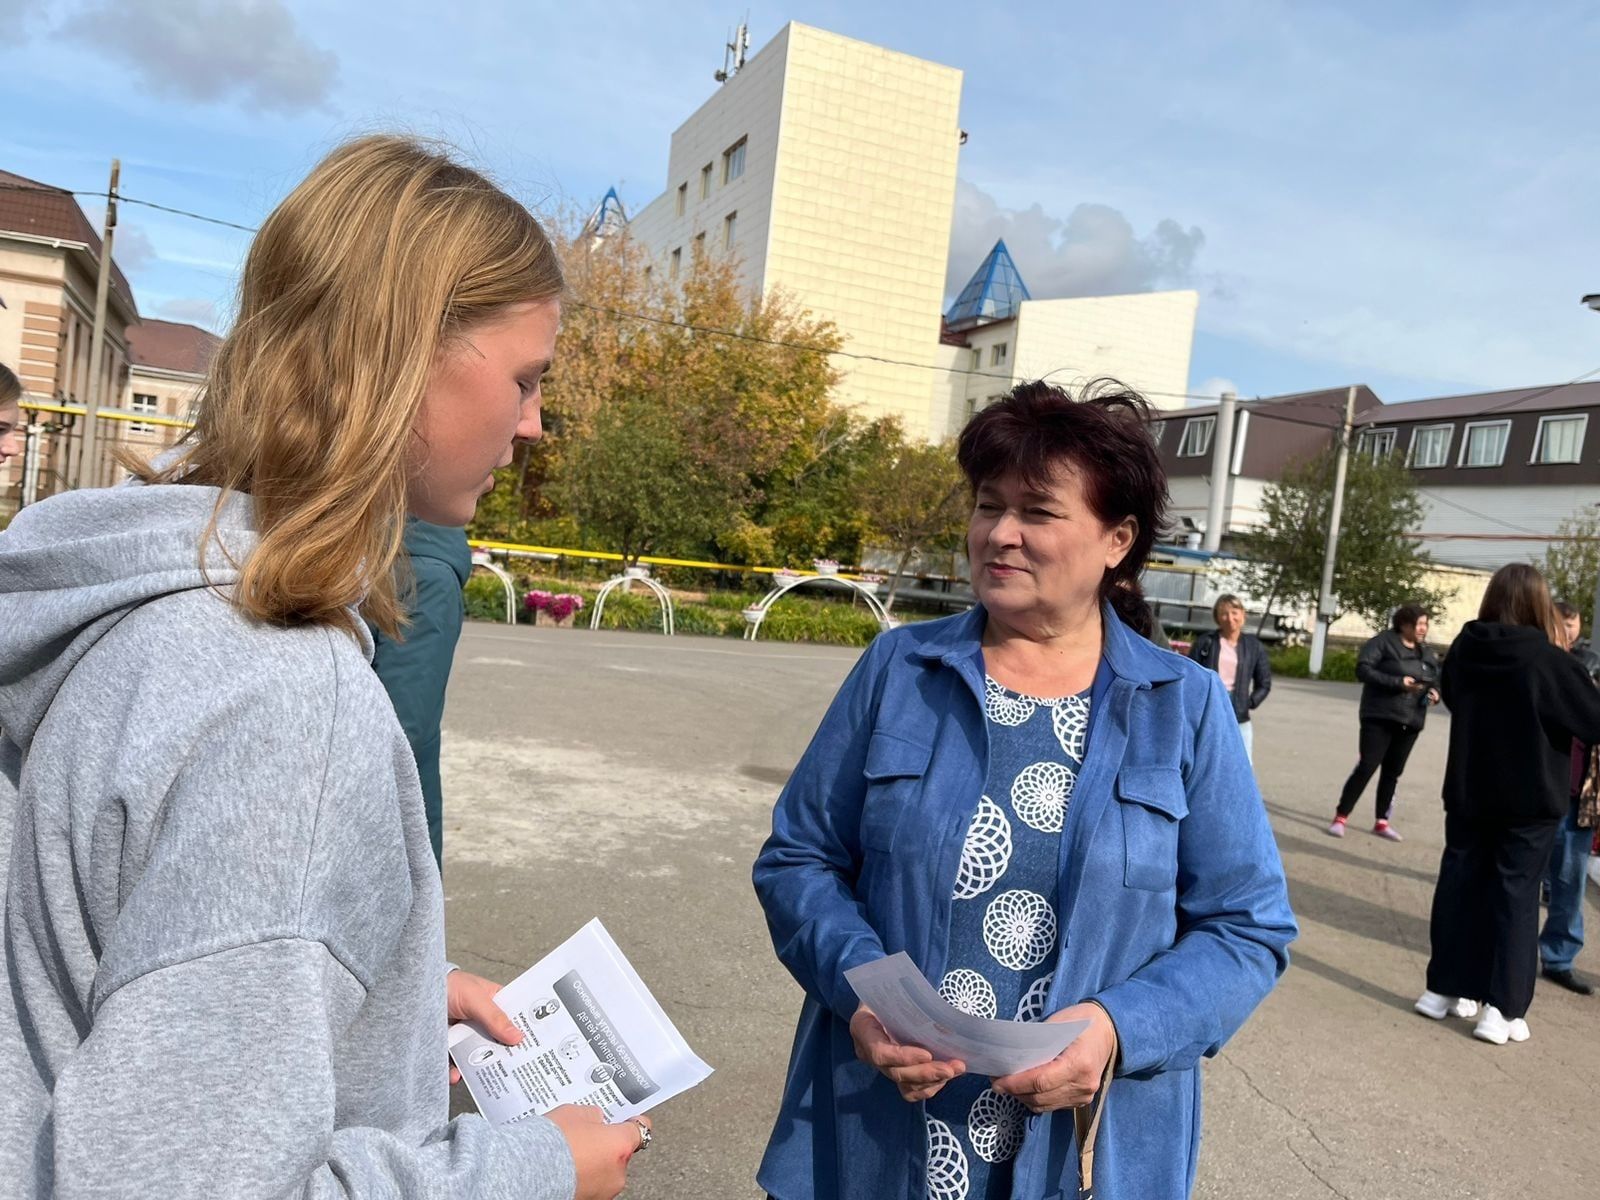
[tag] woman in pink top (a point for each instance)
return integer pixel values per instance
(1239, 658)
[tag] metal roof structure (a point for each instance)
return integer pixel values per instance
(608, 217)
(994, 293)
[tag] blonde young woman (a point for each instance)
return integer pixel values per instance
(224, 938)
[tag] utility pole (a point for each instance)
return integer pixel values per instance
(1592, 303)
(97, 339)
(1221, 466)
(1319, 635)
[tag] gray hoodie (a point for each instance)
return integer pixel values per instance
(223, 948)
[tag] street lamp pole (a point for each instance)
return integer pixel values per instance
(1592, 301)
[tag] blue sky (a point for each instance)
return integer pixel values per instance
(1401, 195)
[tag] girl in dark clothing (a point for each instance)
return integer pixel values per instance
(1398, 674)
(1517, 700)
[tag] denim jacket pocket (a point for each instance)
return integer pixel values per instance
(1152, 802)
(894, 769)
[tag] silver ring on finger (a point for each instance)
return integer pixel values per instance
(645, 1136)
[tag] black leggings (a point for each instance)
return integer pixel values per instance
(1386, 744)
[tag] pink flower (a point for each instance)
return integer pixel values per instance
(537, 601)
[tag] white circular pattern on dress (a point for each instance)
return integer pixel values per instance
(1071, 721)
(995, 1126)
(1040, 794)
(1004, 708)
(947, 1163)
(985, 854)
(970, 992)
(1019, 928)
(1031, 1006)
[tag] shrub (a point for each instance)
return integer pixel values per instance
(1294, 662)
(827, 624)
(485, 598)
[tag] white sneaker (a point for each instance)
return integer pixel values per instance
(1464, 1008)
(1492, 1027)
(1519, 1030)
(1432, 1004)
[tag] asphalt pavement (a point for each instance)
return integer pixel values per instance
(631, 777)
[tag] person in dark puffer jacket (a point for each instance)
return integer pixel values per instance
(1399, 677)
(1567, 876)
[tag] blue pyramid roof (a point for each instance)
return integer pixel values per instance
(994, 292)
(609, 216)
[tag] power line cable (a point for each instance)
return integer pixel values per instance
(711, 331)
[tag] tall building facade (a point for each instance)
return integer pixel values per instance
(827, 167)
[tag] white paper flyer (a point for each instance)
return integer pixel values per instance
(914, 1014)
(591, 1034)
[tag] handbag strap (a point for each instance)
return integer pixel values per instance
(1086, 1122)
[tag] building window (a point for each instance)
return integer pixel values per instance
(647, 272)
(1197, 437)
(699, 246)
(730, 227)
(149, 406)
(972, 407)
(997, 354)
(1483, 443)
(1430, 445)
(1560, 439)
(677, 261)
(1375, 443)
(977, 360)
(733, 161)
(705, 182)
(683, 198)
(1157, 428)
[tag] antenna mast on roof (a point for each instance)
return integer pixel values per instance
(734, 52)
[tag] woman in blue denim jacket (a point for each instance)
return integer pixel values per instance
(1055, 820)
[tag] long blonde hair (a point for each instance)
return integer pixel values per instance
(357, 282)
(1518, 595)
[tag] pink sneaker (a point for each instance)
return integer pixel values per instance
(1384, 830)
(1337, 828)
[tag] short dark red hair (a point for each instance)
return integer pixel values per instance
(1037, 430)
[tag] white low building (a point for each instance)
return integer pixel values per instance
(997, 335)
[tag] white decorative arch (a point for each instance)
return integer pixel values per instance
(757, 612)
(481, 558)
(637, 575)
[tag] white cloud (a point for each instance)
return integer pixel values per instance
(131, 247)
(211, 50)
(194, 311)
(1094, 251)
(1211, 390)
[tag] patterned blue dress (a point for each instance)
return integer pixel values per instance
(1003, 925)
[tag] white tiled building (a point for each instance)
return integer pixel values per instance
(828, 167)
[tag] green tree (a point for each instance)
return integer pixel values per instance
(1379, 563)
(1572, 562)
(673, 406)
(916, 501)
(638, 486)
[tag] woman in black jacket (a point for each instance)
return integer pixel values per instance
(1398, 675)
(1240, 659)
(1517, 700)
